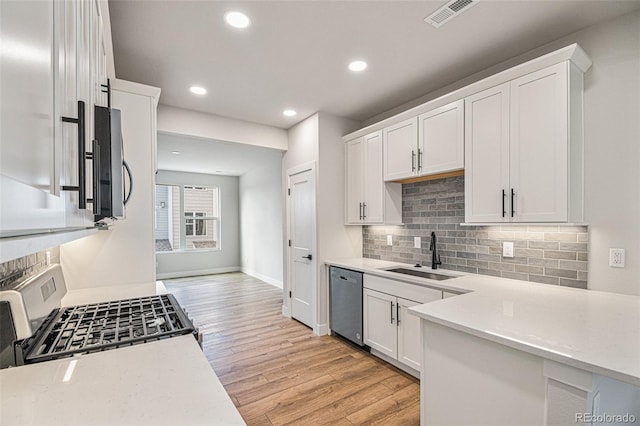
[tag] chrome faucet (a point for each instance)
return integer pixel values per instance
(435, 257)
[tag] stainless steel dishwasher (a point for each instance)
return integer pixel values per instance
(345, 304)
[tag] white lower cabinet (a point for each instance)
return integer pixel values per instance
(389, 328)
(409, 342)
(380, 328)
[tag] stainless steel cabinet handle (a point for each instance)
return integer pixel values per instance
(391, 312)
(513, 207)
(419, 159)
(504, 194)
(364, 210)
(413, 161)
(360, 211)
(398, 314)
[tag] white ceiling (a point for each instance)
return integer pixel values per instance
(198, 155)
(295, 53)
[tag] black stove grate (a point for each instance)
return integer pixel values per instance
(100, 326)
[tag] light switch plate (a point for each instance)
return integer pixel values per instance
(389, 240)
(616, 257)
(416, 242)
(507, 249)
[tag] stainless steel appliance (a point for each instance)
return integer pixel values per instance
(109, 165)
(35, 328)
(345, 304)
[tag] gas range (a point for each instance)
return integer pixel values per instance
(35, 328)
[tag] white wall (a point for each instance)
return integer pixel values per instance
(261, 220)
(124, 254)
(335, 240)
(319, 139)
(612, 151)
(612, 148)
(200, 262)
(185, 122)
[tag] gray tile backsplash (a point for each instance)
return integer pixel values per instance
(14, 270)
(550, 254)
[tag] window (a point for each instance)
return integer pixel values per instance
(187, 218)
(200, 228)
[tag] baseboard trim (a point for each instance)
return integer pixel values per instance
(184, 274)
(321, 329)
(285, 311)
(262, 277)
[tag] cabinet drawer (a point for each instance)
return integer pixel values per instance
(413, 292)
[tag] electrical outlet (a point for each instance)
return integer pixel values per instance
(507, 249)
(416, 242)
(389, 240)
(616, 257)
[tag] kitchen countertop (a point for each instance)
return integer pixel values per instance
(591, 330)
(117, 292)
(168, 382)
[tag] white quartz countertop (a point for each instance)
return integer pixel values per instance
(168, 382)
(591, 330)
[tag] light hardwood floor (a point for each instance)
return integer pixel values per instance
(277, 372)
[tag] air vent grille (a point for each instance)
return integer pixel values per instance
(459, 5)
(449, 11)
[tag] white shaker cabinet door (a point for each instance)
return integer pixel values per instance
(354, 174)
(441, 139)
(27, 146)
(487, 190)
(380, 330)
(401, 149)
(539, 145)
(409, 336)
(373, 183)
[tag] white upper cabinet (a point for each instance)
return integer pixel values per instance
(47, 69)
(487, 155)
(518, 145)
(401, 149)
(539, 136)
(429, 144)
(354, 177)
(441, 139)
(369, 200)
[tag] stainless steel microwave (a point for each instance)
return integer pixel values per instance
(111, 195)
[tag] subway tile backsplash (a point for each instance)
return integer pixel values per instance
(15, 270)
(549, 254)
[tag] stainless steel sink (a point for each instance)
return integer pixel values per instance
(422, 274)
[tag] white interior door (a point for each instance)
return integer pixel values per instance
(302, 260)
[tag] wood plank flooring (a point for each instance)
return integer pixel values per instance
(277, 372)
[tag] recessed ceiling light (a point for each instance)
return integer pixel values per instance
(237, 19)
(358, 66)
(175, 152)
(289, 112)
(197, 90)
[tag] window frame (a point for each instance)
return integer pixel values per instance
(199, 217)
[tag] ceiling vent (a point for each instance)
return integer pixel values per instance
(449, 11)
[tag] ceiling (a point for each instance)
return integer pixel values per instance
(295, 53)
(199, 155)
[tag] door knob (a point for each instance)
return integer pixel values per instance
(307, 257)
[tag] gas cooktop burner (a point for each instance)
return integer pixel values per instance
(100, 326)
